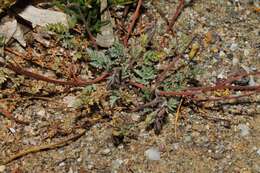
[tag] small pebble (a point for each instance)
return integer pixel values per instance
(106, 151)
(62, 164)
(71, 170)
(258, 152)
(175, 146)
(2, 168)
(41, 112)
(244, 129)
(246, 52)
(235, 61)
(233, 46)
(90, 166)
(153, 154)
(252, 81)
(12, 130)
(116, 164)
(222, 54)
(187, 139)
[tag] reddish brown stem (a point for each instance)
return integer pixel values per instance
(238, 76)
(133, 21)
(149, 104)
(190, 92)
(77, 82)
(136, 84)
(9, 116)
(187, 92)
(176, 14)
(162, 75)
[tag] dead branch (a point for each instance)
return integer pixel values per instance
(78, 82)
(8, 115)
(176, 14)
(133, 21)
(42, 147)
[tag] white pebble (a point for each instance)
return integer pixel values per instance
(235, 61)
(222, 54)
(106, 151)
(233, 46)
(246, 52)
(41, 112)
(252, 81)
(2, 168)
(116, 164)
(175, 146)
(153, 154)
(62, 164)
(12, 130)
(258, 152)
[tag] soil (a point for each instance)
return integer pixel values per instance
(221, 136)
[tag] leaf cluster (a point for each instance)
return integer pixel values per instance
(106, 59)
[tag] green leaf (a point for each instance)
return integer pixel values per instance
(58, 28)
(120, 2)
(3, 75)
(172, 104)
(89, 89)
(150, 57)
(2, 40)
(150, 118)
(113, 98)
(116, 51)
(99, 59)
(145, 74)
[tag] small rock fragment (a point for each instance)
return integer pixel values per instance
(106, 151)
(187, 139)
(153, 154)
(2, 168)
(41, 112)
(116, 164)
(233, 46)
(244, 129)
(258, 152)
(176, 146)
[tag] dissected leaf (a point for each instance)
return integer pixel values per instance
(99, 59)
(172, 104)
(116, 51)
(145, 74)
(150, 57)
(3, 75)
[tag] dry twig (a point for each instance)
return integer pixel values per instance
(177, 115)
(133, 21)
(77, 82)
(9, 116)
(42, 147)
(176, 14)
